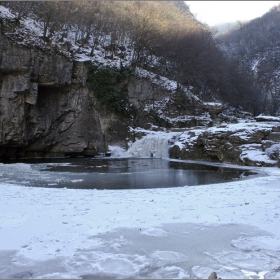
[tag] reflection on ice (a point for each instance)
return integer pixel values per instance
(116, 173)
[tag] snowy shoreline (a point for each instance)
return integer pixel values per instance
(43, 225)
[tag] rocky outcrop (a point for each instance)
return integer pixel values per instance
(45, 106)
(242, 143)
(274, 152)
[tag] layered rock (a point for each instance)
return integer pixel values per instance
(45, 106)
(242, 143)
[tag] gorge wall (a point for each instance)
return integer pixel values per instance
(46, 108)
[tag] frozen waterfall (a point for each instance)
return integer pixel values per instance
(152, 145)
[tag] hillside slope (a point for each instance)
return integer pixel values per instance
(159, 36)
(254, 45)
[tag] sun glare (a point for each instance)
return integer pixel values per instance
(216, 12)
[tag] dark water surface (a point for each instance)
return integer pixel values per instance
(122, 173)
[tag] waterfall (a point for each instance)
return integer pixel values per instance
(152, 145)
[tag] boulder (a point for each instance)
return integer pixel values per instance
(213, 275)
(252, 155)
(273, 152)
(214, 108)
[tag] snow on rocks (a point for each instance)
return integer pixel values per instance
(184, 121)
(6, 14)
(252, 155)
(262, 118)
(241, 143)
(273, 151)
(214, 108)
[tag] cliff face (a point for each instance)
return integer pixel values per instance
(45, 106)
(47, 110)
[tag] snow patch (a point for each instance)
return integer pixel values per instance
(6, 14)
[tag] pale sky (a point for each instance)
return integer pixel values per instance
(215, 12)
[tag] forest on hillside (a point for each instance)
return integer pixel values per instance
(165, 37)
(255, 46)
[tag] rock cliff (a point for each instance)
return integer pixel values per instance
(45, 106)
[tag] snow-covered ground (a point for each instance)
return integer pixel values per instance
(186, 232)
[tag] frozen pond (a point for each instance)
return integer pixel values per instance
(121, 173)
(55, 222)
(172, 251)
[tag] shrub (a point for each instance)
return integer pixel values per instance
(109, 85)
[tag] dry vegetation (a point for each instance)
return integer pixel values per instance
(165, 37)
(254, 45)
